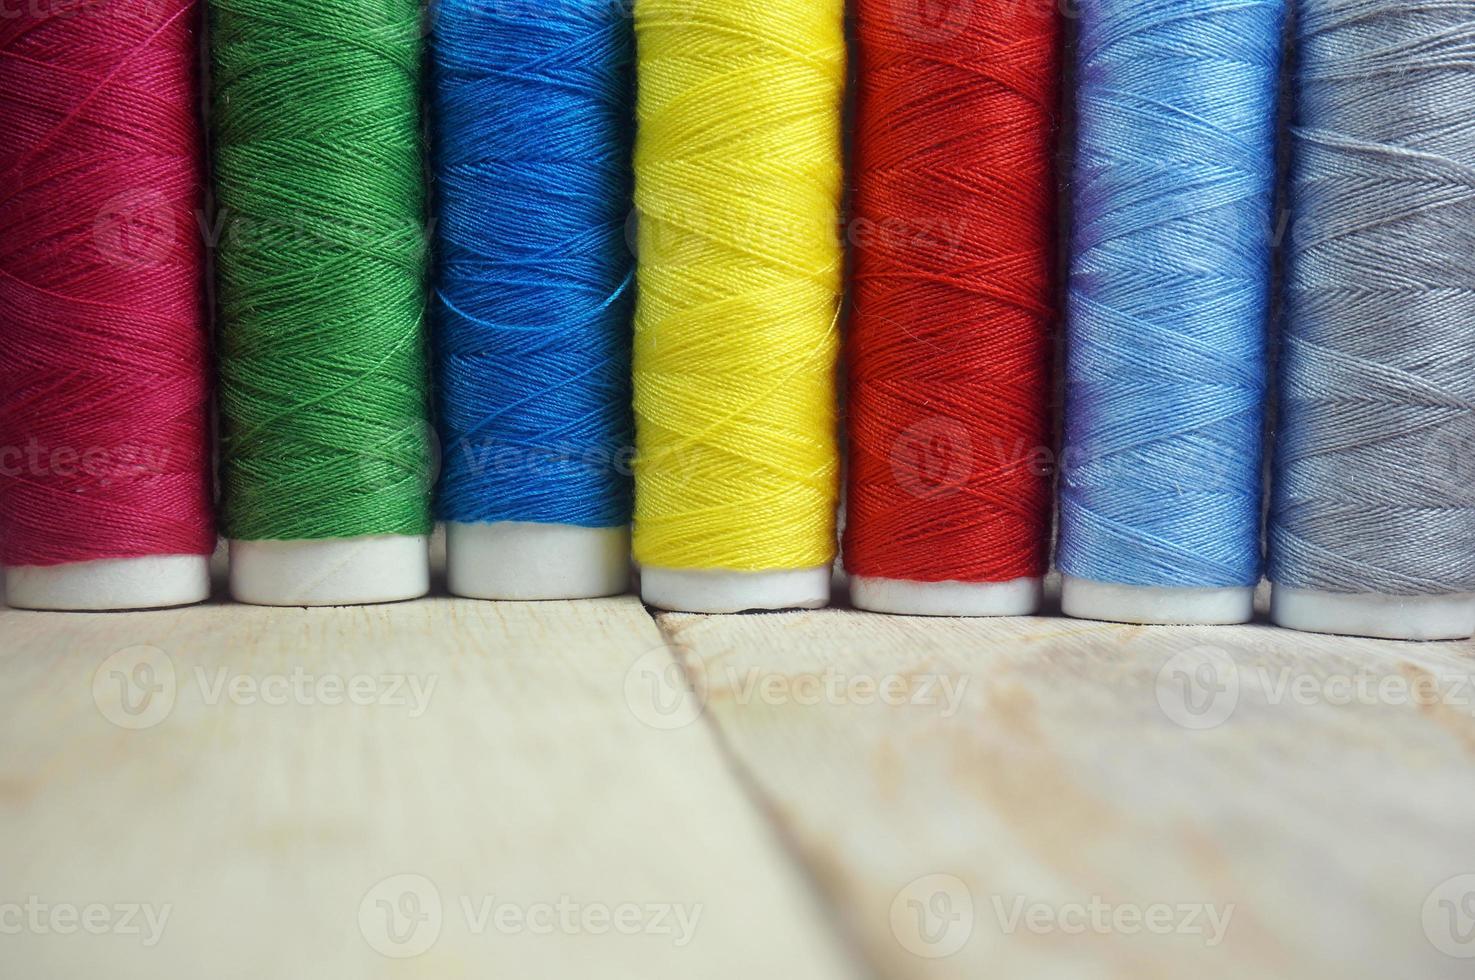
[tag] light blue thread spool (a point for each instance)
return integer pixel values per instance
(1167, 311)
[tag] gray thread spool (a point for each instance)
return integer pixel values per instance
(1372, 530)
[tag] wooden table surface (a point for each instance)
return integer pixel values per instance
(450, 788)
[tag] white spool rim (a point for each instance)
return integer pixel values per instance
(1017, 597)
(723, 591)
(152, 582)
(536, 562)
(1386, 617)
(330, 572)
(1155, 606)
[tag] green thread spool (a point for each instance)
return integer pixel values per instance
(321, 271)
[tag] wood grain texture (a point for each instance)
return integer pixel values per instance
(181, 760)
(1089, 773)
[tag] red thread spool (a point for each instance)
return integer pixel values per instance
(104, 357)
(953, 245)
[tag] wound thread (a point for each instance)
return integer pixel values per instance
(321, 268)
(738, 182)
(952, 235)
(535, 283)
(104, 364)
(1168, 303)
(1375, 473)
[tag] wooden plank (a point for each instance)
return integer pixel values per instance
(1049, 798)
(296, 790)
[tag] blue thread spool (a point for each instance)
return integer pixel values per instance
(1167, 309)
(533, 109)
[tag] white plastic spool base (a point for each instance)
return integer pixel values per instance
(722, 591)
(1152, 606)
(1019, 597)
(514, 560)
(1445, 617)
(123, 583)
(331, 572)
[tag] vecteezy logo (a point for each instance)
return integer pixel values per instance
(932, 21)
(400, 917)
(1456, 442)
(933, 458)
(1198, 688)
(136, 228)
(135, 687)
(933, 916)
(1449, 917)
(410, 456)
(660, 693)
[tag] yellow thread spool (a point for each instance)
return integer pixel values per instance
(738, 182)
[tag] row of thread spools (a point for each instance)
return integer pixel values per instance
(1269, 220)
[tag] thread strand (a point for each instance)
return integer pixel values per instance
(1375, 475)
(1168, 305)
(738, 181)
(321, 270)
(534, 110)
(953, 239)
(104, 368)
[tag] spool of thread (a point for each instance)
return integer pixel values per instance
(738, 178)
(952, 234)
(1168, 307)
(1372, 528)
(326, 443)
(104, 366)
(534, 111)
